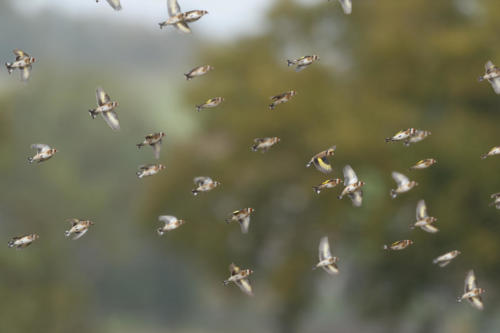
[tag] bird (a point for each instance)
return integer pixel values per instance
(346, 6)
(180, 19)
(198, 71)
(281, 98)
(302, 62)
(496, 202)
(402, 135)
(106, 108)
(22, 241)
(149, 170)
(204, 184)
(43, 153)
(445, 259)
(113, 3)
(329, 183)
(492, 75)
(23, 62)
(398, 245)
(241, 216)
(424, 221)
(240, 278)
(472, 292)
(423, 164)
(404, 184)
(171, 223)
(211, 103)
(320, 160)
(493, 151)
(352, 187)
(78, 228)
(264, 144)
(326, 260)
(418, 136)
(154, 140)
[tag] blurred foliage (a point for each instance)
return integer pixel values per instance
(388, 66)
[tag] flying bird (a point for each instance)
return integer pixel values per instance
(22, 241)
(423, 164)
(320, 160)
(418, 136)
(106, 108)
(43, 153)
(281, 98)
(398, 245)
(424, 221)
(492, 75)
(326, 260)
(302, 62)
(154, 140)
(198, 71)
(211, 103)
(240, 278)
(149, 170)
(113, 3)
(404, 184)
(402, 135)
(264, 144)
(241, 216)
(496, 202)
(23, 62)
(472, 292)
(446, 258)
(78, 228)
(180, 19)
(170, 223)
(352, 187)
(493, 151)
(204, 184)
(329, 183)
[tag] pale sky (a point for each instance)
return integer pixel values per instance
(226, 18)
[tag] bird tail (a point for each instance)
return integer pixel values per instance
(139, 174)
(162, 24)
(10, 243)
(160, 231)
(199, 107)
(290, 63)
(481, 78)
(316, 189)
(272, 106)
(30, 160)
(484, 156)
(385, 247)
(226, 282)
(406, 143)
(254, 148)
(459, 299)
(9, 67)
(93, 114)
(195, 192)
(187, 77)
(140, 145)
(67, 233)
(393, 194)
(388, 139)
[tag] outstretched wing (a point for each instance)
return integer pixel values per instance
(421, 210)
(20, 54)
(199, 181)
(234, 269)
(274, 98)
(356, 198)
(495, 83)
(184, 27)
(400, 179)
(245, 286)
(350, 176)
(429, 228)
(331, 269)
(156, 149)
(346, 6)
(115, 4)
(40, 147)
(470, 281)
(167, 219)
(112, 120)
(322, 164)
(173, 7)
(245, 224)
(25, 73)
(101, 96)
(489, 65)
(324, 249)
(80, 234)
(73, 221)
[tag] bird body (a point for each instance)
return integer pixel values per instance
(22, 241)
(281, 98)
(149, 170)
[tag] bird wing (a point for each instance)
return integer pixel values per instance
(245, 286)
(421, 210)
(234, 269)
(167, 219)
(245, 224)
(173, 7)
(489, 65)
(101, 96)
(73, 221)
(322, 164)
(40, 147)
(470, 281)
(20, 54)
(80, 234)
(331, 269)
(429, 228)
(115, 4)
(145, 166)
(25, 73)
(400, 178)
(324, 249)
(156, 149)
(476, 302)
(356, 198)
(350, 176)
(184, 27)
(274, 98)
(202, 180)
(111, 119)
(346, 6)
(495, 83)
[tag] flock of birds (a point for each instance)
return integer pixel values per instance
(352, 185)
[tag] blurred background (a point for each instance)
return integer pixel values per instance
(389, 66)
